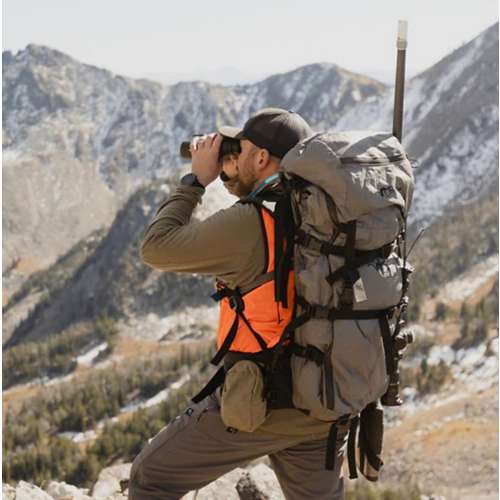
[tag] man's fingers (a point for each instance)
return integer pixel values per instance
(201, 141)
(210, 138)
(217, 140)
(195, 143)
(212, 141)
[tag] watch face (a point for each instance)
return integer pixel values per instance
(189, 180)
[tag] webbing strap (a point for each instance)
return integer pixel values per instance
(313, 243)
(309, 352)
(331, 443)
(351, 448)
(328, 248)
(350, 251)
(284, 235)
(234, 296)
(330, 447)
(360, 259)
(258, 338)
(344, 273)
(315, 311)
(366, 451)
(216, 381)
(385, 330)
(225, 291)
(227, 343)
(224, 349)
(279, 349)
(296, 322)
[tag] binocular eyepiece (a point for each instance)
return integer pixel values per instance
(228, 146)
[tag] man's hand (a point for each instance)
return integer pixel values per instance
(205, 158)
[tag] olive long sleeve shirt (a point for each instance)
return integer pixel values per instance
(228, 245)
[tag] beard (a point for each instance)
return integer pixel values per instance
(237, 188)
(243, 182)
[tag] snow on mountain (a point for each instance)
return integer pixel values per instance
(78, 140)
(71, 130)
(450, 125)
(62, 117)
(465, 285)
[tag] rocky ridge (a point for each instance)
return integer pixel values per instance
(257, 482)
(73, 129)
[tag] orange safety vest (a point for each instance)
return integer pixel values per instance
(259, 312)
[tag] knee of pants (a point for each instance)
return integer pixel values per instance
(132, 492)
(135, 485)
(135, 471)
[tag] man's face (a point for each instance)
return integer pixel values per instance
(246, 167)
(241, 170)
(229, 167)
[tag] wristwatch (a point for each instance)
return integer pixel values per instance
(191, 180)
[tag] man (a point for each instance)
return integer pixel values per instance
(198, 447)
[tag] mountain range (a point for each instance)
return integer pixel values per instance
(88, 153)
(100, 350)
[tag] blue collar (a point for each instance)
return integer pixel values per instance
(264, 184)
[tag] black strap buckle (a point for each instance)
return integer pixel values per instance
(309, 352)
(320, 312)
(313, 311)
(236, 303)
(235, 299)
(219, 295)
(314, 354)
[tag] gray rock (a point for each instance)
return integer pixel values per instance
(259, 483)
(256, 483)
(108, 486)
(222, 488)
(64, 491)
(8, 492)
(27, 491)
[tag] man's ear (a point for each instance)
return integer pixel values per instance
(263, 159)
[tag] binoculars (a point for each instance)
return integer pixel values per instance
(228, 146)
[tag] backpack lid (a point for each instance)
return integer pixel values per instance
(361, 171)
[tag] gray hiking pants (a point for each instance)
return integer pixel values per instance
(196, 448)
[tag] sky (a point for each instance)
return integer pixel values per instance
(231, 41)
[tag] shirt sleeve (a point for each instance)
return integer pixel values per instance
(229, 244)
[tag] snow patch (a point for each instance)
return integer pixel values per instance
(157, 398)
(467, 283)
(89, 356)
(216, 198)
(494, 346)
(188, 323)
(471, 356)
(441, 353)
(79, 437)
(471, 366)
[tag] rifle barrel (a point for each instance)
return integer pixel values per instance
(399, 88)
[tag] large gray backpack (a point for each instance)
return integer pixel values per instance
(342, 225)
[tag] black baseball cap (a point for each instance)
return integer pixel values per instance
(274, 129)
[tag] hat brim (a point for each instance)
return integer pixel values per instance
(231, 132)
